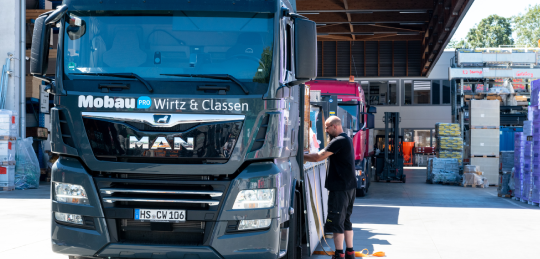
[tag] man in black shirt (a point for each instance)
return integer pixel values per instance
(341, 182)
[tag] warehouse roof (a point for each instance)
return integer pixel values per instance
(432, 23)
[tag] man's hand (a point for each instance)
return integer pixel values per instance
(316, 157)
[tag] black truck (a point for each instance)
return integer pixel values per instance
(179, 128)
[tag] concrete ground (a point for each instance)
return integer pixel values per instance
(419, 220)
(411, 220)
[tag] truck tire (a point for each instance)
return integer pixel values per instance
(295, 231)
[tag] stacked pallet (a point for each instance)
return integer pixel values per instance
(8, 137)
(519, 158)
(449, 141)
(531, 181)
(484, 137)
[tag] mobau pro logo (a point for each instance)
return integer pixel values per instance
(144, 102)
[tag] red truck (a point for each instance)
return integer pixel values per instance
(347, 101)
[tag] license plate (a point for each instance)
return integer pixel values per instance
(160, 215)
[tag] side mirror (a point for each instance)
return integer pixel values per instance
(305, 49)
(41, 40)
(40, 46)
(372, 109)
(370, 122)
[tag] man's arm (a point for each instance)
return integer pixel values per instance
(316, 157)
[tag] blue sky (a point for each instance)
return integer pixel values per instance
(484, 8)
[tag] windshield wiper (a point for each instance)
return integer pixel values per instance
(121, 75)
(213, 76)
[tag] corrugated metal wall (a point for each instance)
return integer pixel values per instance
(369, 58)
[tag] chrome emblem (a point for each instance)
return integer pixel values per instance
(162, 118)
(160, 142)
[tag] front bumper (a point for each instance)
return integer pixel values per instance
(243, 245)
(104, 238)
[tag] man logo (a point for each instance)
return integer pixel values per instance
(144, 102)
(162, 119)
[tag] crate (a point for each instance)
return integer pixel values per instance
(484, 142)
(485, 113)
(32, 87)
(37, 133)
(489, 166)
(7, 176)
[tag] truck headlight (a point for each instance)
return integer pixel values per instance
(69, 218)
(254, 224)
(70, 193)
(254, 199)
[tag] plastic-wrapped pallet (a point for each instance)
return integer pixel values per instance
(535, 188)
(27, 171)
(450, 143)
(474, 179)
(519, 158)
(527, 128)
(507, 160)
(451, 154)
(504, 180)
(442, 170)
(535, 92)
(512, 183)
(448, 129)
(472, 169)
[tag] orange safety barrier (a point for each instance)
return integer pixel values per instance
(407, 153)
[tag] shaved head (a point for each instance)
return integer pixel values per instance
(333, 126)
(334, 121)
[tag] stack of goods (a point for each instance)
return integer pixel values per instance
(519, 158)
(8, 136)
(443, 170)
(534, 193)
(473, 176)
(504, 184)
(484, 137)
(449, 141)
(527, 162)
(507, 161)
(448, 129)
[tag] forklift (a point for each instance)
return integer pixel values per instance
(389, 162)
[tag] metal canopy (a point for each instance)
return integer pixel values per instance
(431, 23)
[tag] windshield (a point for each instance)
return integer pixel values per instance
(238, 44)
(352, 120)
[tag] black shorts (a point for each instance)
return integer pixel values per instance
(340, 206)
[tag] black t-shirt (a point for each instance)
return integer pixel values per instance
(341, 170)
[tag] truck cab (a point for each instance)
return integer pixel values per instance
(176, 125)
(357, 120)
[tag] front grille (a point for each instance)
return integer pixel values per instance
(172, 177)
(199, 195)
(177, 128)
(184, 227)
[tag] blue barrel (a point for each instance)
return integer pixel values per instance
(507, 138)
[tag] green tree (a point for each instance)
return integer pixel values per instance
(490, 32)
(456, 44)
(527, 26)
